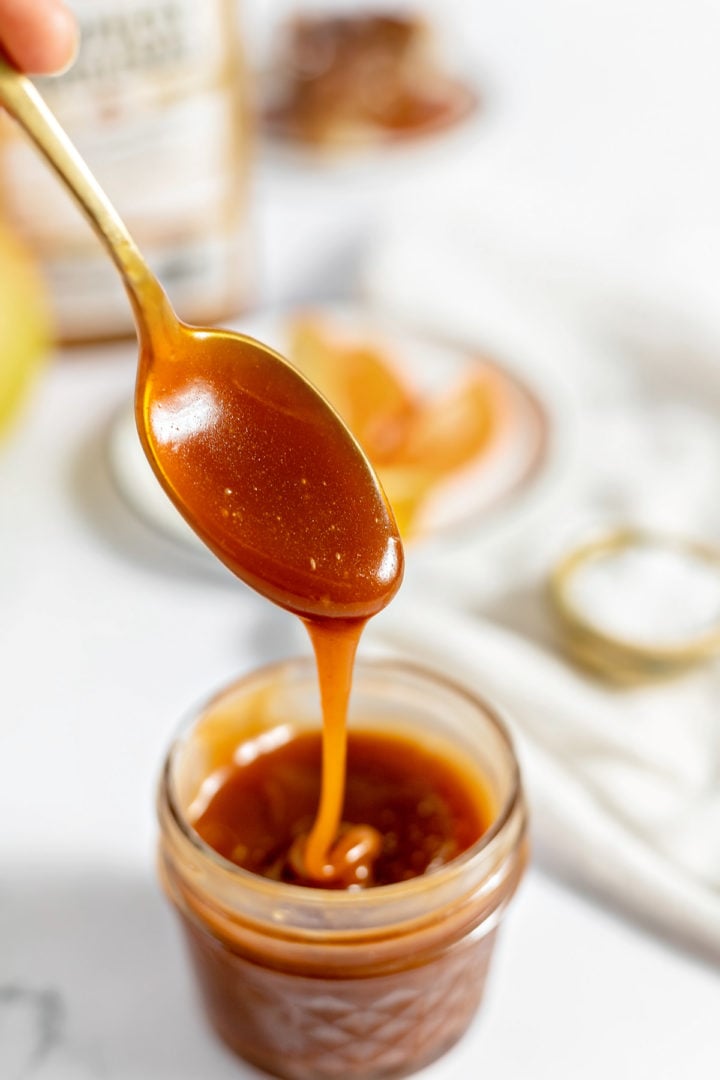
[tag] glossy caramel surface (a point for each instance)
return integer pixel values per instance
(424, 809)
(268, 476)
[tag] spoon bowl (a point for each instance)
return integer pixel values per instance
(266, 473)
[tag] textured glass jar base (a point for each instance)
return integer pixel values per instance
(299, 1028)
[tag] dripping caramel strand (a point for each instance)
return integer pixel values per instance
(331, 852)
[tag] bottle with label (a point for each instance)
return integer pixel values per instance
(157, 104)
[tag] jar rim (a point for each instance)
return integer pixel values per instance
(616, 653)
(331, 899)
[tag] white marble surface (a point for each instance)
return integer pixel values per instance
(108, 633)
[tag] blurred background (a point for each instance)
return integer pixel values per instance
(591, 155)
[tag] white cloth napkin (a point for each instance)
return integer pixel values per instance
(624, 786)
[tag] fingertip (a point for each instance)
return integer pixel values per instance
(60, 47)
(40, 39)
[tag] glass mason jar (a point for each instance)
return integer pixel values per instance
(308, 983)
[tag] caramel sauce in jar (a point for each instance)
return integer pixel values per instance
(339, 911)
(422, 808)
(310, 980)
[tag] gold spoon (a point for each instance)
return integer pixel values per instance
(253, 457)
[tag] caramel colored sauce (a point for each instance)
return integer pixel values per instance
(424, 809)
(321, 858)
(269, 478)
(278, 488)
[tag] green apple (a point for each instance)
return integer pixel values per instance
(25, 334)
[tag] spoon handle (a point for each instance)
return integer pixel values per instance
(28, 108)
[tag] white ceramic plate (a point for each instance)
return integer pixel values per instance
(497, 490)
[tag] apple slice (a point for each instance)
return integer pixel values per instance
(361, 384)
(446, 433)
(414, 441)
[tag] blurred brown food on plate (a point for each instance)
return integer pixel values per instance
(415, 440)
(356, 79)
